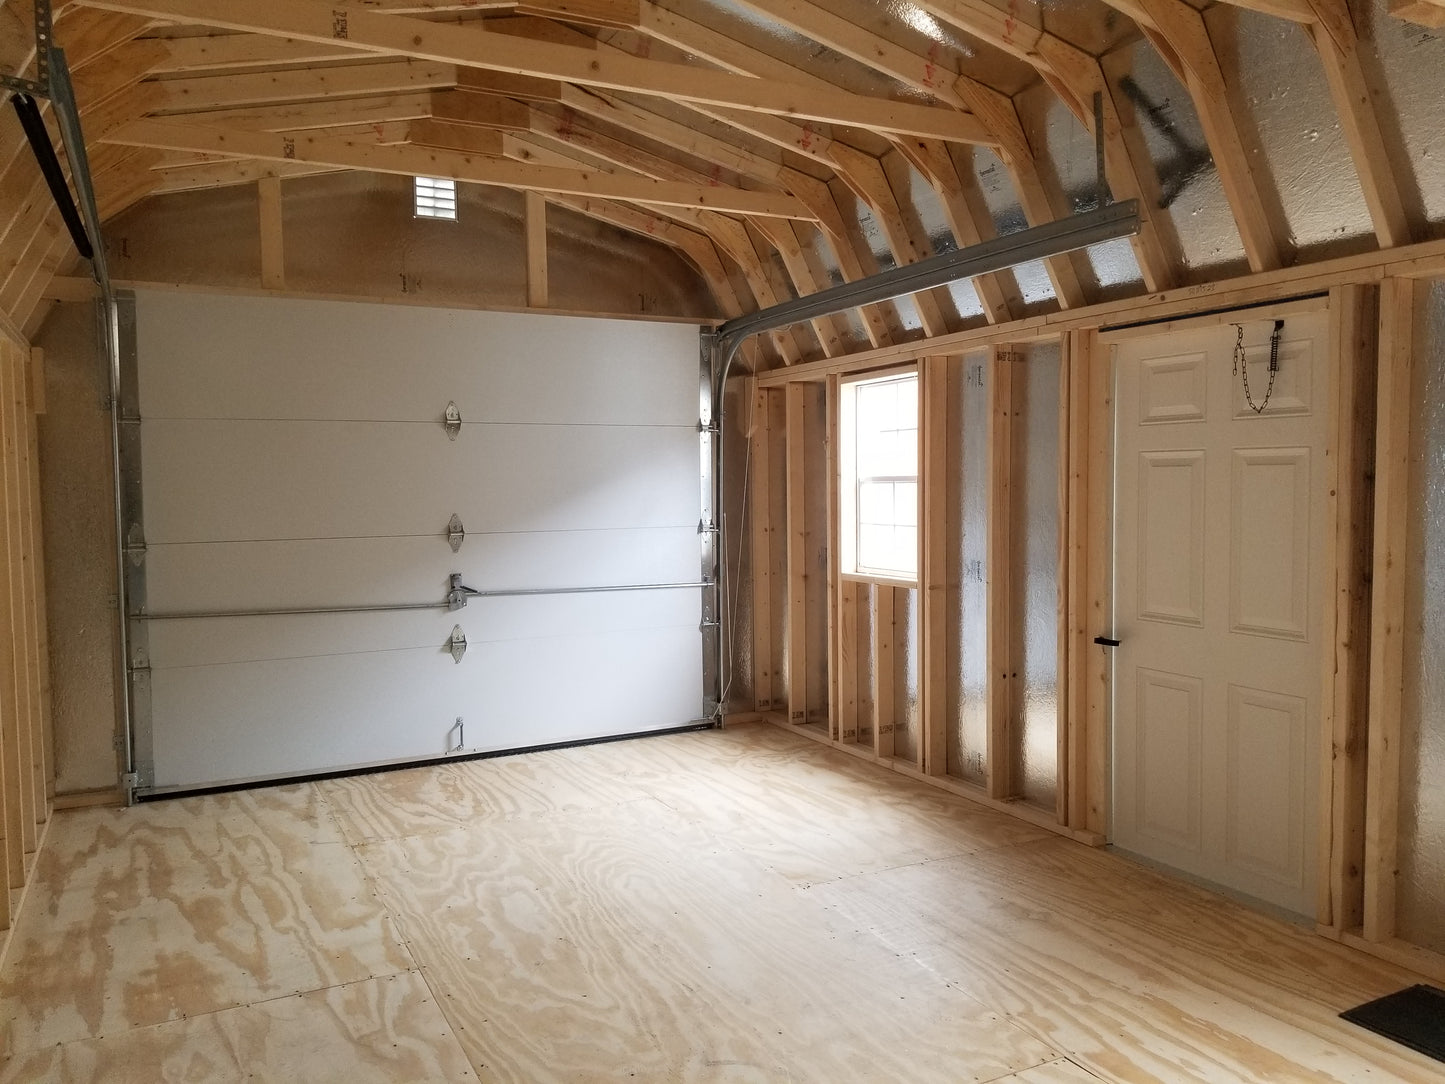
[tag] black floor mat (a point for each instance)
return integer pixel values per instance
(1413, 1017)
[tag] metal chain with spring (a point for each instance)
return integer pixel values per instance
(1241, 365)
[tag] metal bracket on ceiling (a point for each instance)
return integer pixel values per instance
(456, 533)
(452, 421)
(39, 87)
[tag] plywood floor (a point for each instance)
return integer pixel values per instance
(721, 906)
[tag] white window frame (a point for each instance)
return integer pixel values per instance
(434, 198)
(849, 483)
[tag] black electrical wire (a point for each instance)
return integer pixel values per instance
(30, 120)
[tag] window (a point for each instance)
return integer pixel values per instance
(436, 197)
(879, 463)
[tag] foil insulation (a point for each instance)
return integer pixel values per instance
(1282, 92)
(967, 458)
(1034, 539)
(867, 669)
(1190, 189)
(1409, 63)
(1034, 286)
(907, 656)
(1420, 886)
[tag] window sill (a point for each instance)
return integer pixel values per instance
(880, 580)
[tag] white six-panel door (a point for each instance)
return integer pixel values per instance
(294, 456)
(1219, 529)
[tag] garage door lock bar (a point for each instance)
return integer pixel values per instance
(457, 596)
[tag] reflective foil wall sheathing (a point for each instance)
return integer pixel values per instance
(1034, 536)
(1420, 887)
(816, 520)
(994, 181)
(967, 737)
(907, 707)
(1411, 69)
(1190, 188)
(1282, 93)
(867, 671)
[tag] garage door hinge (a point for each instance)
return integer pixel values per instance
(452, 420)
(135, 545)
(455, 532)
(458, 644)
(130, 780)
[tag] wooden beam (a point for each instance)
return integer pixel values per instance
(476, 107)
(15, 691)
(1425, 12)
(1354, 325)
(1420, 260)
(462, 138)
(865, 175)
(273, 257)
(797, 556)
(415, 161)
(299, 116)
(441, 43)
(621, 14)
(1392, 518)
(226, 174)
(763, 534)
(1363, 111)
(963, 206)
(209, 51)
(536, 228)
(934, 375)
(999, 685)
(210, 92)
(832, 548)
(1182, 26)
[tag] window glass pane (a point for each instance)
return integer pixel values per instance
(885, 473)
(905, 504)
(873, 545)
(875, 502)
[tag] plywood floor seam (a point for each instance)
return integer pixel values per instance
(733, 906)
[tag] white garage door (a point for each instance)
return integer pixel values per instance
(294, 457)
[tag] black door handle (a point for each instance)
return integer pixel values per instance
(1105, 641)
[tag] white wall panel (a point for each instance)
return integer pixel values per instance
(294, 456)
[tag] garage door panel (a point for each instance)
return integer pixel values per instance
(397, 707)
(573, 688)
(370, 571)
(238, 357)
(284, 717)
(227, 481)
(250, 639)
(294, 457)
